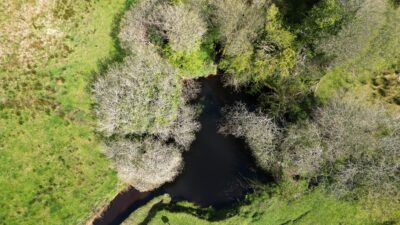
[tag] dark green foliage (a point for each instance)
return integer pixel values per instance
(325, 18)
(288, 99)
(396, 3)
(295, 11)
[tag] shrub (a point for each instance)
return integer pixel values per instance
(355, 147)
(141, 95)
(259, 132)
(146, 164)
(273, 53)
(182, 26)
(239, 23)
(355, 36)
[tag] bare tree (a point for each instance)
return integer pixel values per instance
(181, 25)
(349, 127)
(239, 23)
(183, 130)
(259, 131)
(302, 151)
(354, 145)
(134, 25)
(146, 164)
(355, 36)
(191, 89)
(141, 95)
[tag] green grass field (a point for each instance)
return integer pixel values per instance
(52, 170)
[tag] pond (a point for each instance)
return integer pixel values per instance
(219, 170)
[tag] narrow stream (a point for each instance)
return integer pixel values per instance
(219, 170)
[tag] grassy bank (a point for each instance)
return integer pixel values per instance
(313, 208)
(52, 170)
(378, 56)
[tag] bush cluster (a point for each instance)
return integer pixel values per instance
(256, 47)
(140, 100)
(143, 102)
(354, 37)
(259, 131)
(350, 147)
(140, 104)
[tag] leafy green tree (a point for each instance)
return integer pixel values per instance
(273, 54)
(326, 18)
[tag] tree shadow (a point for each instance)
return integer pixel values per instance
(295, 11)
(209, 214)
(395, 3)
(115, 56)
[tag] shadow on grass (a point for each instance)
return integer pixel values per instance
(208, 214)
(116, 56)
(119, 53)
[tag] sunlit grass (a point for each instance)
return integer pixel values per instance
(52, 170)
(313, 208)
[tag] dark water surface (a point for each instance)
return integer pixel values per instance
(218, 169)
(122, 205)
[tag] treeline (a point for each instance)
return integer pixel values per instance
(347, 147)
(344, 144)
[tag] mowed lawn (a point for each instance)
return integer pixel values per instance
(52, 170)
